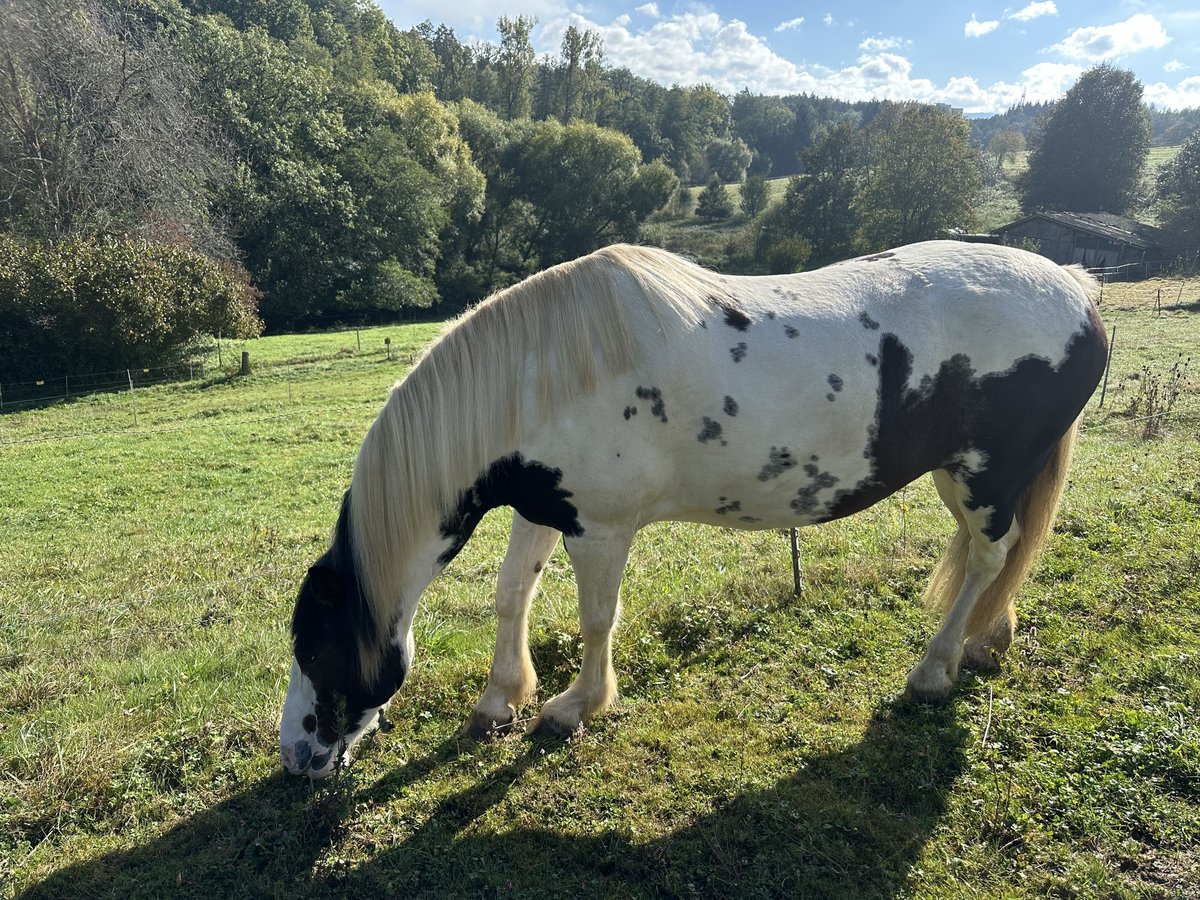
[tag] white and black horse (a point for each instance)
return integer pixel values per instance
(631, 387)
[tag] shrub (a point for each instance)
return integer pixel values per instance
(714, 202)
(89, 305)
(754, 196)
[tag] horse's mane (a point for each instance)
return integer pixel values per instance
(461, 407)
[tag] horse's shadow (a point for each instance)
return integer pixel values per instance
(850, 823)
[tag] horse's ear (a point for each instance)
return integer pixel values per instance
(326, 585)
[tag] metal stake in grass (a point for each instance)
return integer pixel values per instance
(797, 583)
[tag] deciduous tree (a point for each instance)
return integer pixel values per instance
(1089, 153)
(924, 181)
(1178, 193)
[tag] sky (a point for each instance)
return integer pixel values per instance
(980, 56)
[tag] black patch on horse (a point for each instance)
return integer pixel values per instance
(630, 411)
(1014, 418)
(791, 331)
(731, 407)
(330, 624)
(731, 506)
(887, 254)
(739, 352)
(710, 432)
(872, 359)
(528, 487)
(805, 501)
(835, 382)
(779, 460)
(867, 322)
(658, 407)
(734, 317)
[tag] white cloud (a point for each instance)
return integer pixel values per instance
(879, 44)
(701, 47)
(1096, 43)
(1175, 66)
(1185, 95)
(790, 23)
(1035, 11)
(649, 9)
(975, 28)
(827, 18)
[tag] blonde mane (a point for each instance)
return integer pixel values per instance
(460, 408)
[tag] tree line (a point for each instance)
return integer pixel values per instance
(331, 164)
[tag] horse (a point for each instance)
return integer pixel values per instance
(631, 386)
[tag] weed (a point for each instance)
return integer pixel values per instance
(1157, 395)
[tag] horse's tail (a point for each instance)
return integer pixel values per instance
(1035, 515)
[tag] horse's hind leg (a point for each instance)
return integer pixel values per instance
(513, 680)
(598, 557)
(983, 646)
(933, 678)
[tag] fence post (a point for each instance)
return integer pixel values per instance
(387, 342)
(1112, 342)
(797, 583)
(129, 377)
(67, 384)
(245, 362)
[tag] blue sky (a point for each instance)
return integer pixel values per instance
(981, 56)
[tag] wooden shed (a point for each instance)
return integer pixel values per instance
(1097, 240)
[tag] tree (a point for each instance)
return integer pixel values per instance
(728, 159)
(714, 202)
(766, 123)
(514, 65)
(585, 187)
(1178, 194)
(582, 58)
(1089, 153)
(820, 205)
(691, 118)
(754, 196)
(1004, 144)
(98, 129)
(925, 179)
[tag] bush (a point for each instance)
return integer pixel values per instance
(754, 196)
(89, 305)
(714, 202)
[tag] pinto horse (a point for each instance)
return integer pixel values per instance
(631, 386)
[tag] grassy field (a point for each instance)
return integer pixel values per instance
(153, 544)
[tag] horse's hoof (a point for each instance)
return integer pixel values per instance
(929, 684)
(544, 729)
(981, 659)
(480, 727)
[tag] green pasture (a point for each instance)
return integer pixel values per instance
(153, 542)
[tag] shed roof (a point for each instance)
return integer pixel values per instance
(1118, 229)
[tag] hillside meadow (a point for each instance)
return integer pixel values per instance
(153, 542)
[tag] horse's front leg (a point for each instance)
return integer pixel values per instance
(598, 557)
(513, 680)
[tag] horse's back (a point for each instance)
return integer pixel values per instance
(794, 399)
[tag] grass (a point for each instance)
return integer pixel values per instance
(154, 543)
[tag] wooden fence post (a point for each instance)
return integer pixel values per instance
(245, 362)
(797, 583)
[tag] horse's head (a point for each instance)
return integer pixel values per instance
(344, 672)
